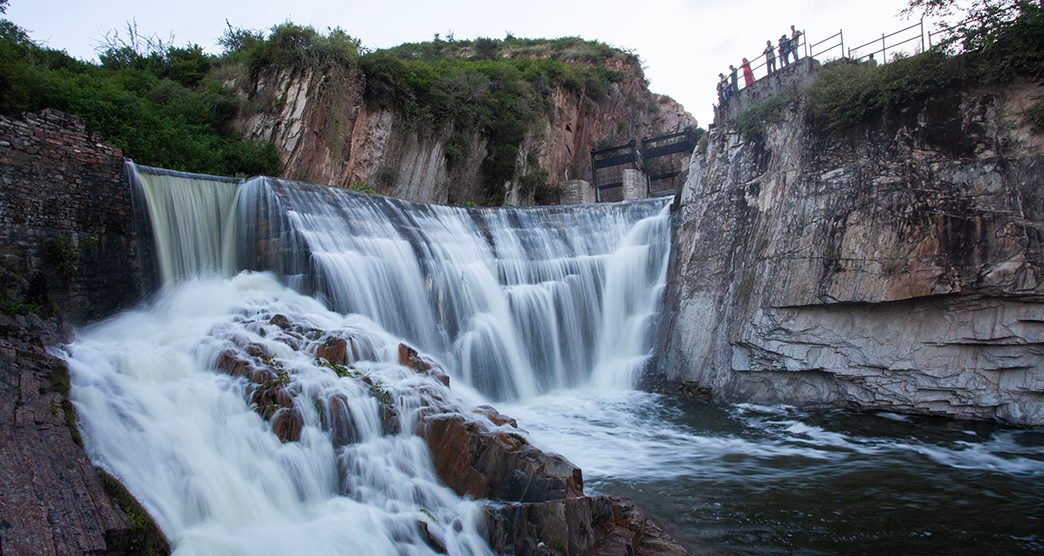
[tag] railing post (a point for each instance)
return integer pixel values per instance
(805, 34)
(884, 50)
(842, 33)
(922, 34)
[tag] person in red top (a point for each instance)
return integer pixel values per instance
(748, 75)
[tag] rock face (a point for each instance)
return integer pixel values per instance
(536, 499)
(67, 255)
(896, 267)
(325, 133)
(52, 500)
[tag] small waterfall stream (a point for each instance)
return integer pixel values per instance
(513, 303)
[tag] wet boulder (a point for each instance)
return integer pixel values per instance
(287, 424)
(475, 460)
(409, 358)
(333, 349)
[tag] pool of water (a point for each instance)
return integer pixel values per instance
(751, 479)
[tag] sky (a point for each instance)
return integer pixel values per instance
(684, 44)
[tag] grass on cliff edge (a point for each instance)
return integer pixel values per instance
(495, 88)
(845, 93)
(158, 107)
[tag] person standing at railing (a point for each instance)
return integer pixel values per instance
(748, 75)
(795, 42)
(770, 58)
(784, 51)
(732, 79)
(726, 89)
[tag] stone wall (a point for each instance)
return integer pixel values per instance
(577, 192)
(67, 254)
(895, 266)
(785, 81)
(66, 226)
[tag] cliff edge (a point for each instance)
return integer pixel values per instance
(893, 265)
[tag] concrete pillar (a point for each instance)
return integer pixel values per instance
(577, 192)
(634, 185)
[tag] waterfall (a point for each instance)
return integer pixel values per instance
(512, 302)
(190, 215)
(516, 301)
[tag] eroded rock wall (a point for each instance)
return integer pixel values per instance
(67, 255)
(896, 266)
(326, 133)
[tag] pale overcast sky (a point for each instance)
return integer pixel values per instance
(684, 43)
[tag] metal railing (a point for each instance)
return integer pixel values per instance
(840, 36)
(883, 41)
(741, 82)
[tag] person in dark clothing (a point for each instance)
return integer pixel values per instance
(724, 91)
(748, 75)
(732, 79)
(795, 42)
(770, 57)
(784, 50)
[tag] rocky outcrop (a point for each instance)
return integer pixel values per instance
(536, 499)
(52, 500)
(326, 133)
(895, 266)
(535, 502)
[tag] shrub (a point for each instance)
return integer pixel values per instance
(845, 93)
(753, 120)
(157, 106)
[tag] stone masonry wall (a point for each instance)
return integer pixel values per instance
(66, 232)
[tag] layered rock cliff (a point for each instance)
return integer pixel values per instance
(894, 266)
(327, 131)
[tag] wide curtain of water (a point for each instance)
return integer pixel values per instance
(549, 313)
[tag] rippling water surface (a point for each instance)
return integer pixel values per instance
(768, 480)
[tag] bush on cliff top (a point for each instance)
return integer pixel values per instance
(156, 106)
(845, 93)
(753, 120)
(499, 97)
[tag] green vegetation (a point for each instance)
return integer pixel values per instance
(341, 370)
(497, 88)
(146, 537)
(753, 120)
(173, 106)
(154, 102)
(845, 93)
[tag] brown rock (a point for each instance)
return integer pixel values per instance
(409, 358)
(433, 542)
(230, 362)
(496, 417)
(586, 525)
(334, 350)
(337, 419)
(476, 461)
(287, 424)
(281, 321)
(258, 350)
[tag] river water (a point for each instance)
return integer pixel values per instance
(776, 480)
(548, 313)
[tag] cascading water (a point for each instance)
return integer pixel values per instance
(549, 310)
(512, 302)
